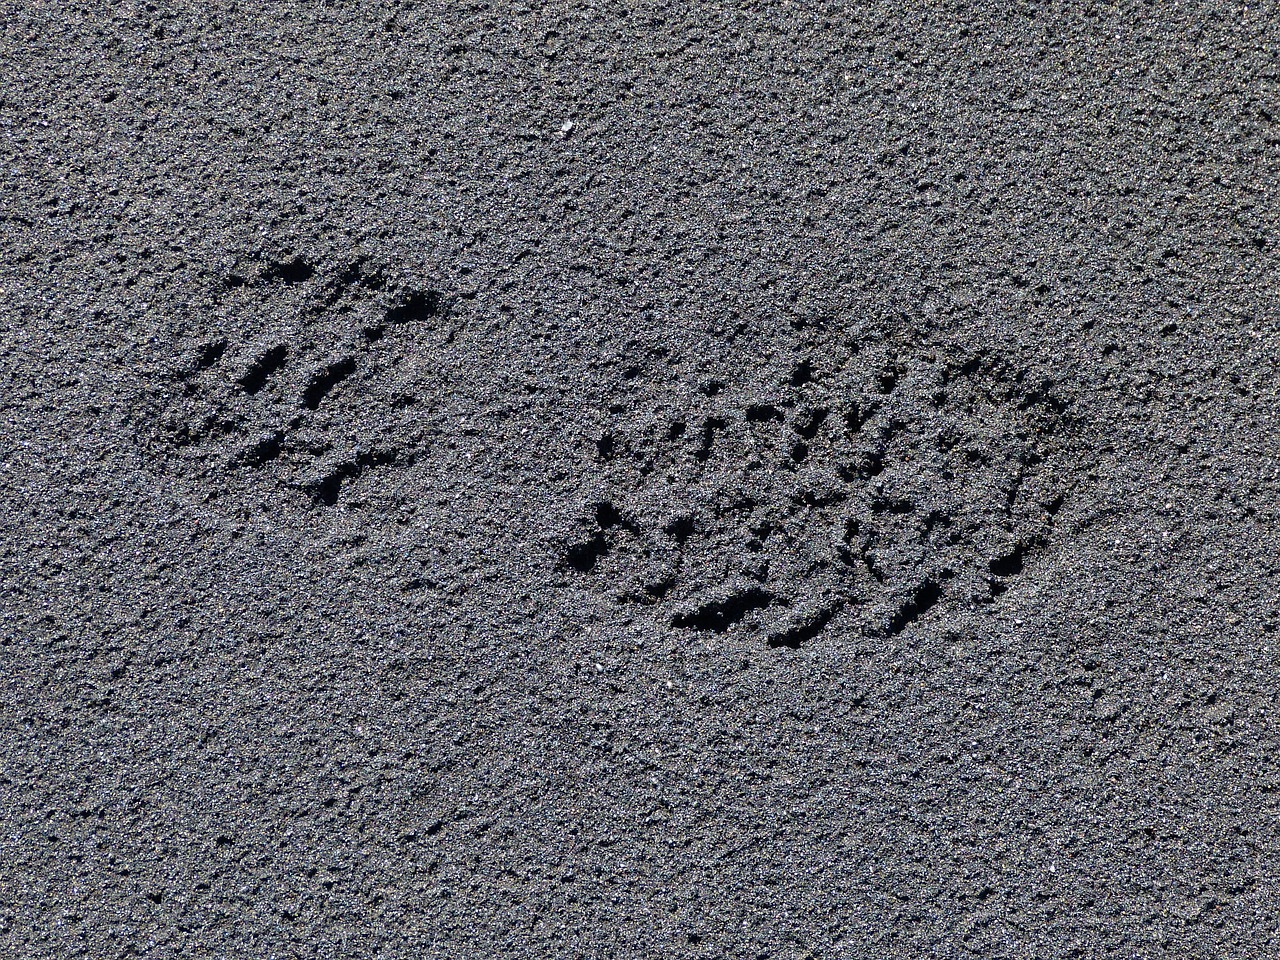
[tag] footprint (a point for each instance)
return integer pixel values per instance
(872, 489)
(297, 406)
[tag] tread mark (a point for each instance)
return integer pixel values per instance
(916, 605)
(325, 379)
(211, 353)
(799, 630)
(415, 307)
(262, 450)
(291, 271)
(721, 613)
(262, 367)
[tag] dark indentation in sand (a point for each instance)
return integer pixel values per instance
(809, 422)
(680, 528)
(899, 472)
(414, 307)
(262, 367)
(799, 629)
(802, 374)
(263, 450)
(325, 379)
(916, 605)
(873, 465)
(895, 505)
(710, 426)
(294, 270)
(240, 419)
(1012, 563)
(887, 380)
(710, 387)
(326, 487)
(211, 353)
(721, 613)
(608, 516)
(855, 416)
(583, 555)
(358, 272)
(763, 413)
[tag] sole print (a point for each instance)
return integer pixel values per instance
(317, 398)
(869, 484)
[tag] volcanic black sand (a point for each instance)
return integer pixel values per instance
(594, 480)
